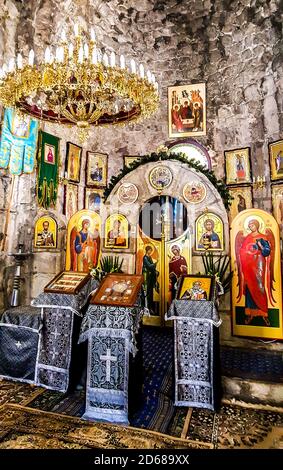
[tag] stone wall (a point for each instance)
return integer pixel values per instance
(233, 46)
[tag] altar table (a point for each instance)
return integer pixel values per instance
(111, 334)
(38, 342)
(57, 339)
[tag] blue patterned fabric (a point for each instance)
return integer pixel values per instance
(55, 340)
(18, 142)
(195, 353)
(110, 332)
(19, 334)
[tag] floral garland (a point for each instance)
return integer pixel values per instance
(163, 156)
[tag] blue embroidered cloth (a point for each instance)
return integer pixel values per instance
(18, 142)
(110, 332)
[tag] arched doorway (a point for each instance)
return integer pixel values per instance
(163, 252)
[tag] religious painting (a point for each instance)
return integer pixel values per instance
(238, 168)
(93, 199)
(83, 241)
(21, 125)
(116, 232)
(128, 193)
(128, 160)
(160, 177)
(209, 232)
(45, 233)
(148, 263)
(187, 110)
(277, 204)
(256, 283)
(194, 287)
(194, 192)
(276, 159)
(71, 192)
(73, 162)
(178, 262)
(96, 169)
(162, 265)
(118, 289)
(243, 199)
(49, 154)
(192, 150)
(67, 282)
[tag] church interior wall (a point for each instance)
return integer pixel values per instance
(233, 46)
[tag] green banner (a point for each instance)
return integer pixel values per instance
(47, 178)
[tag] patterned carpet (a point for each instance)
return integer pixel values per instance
(17, 392)
(156, 410)
(236, 426)
(26, 428)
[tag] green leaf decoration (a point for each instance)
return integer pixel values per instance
(181, 157)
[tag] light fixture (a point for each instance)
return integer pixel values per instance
(74, 83)
(259, 182)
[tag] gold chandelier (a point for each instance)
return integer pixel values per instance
(76, 84)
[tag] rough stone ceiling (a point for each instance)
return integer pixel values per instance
(141, 29)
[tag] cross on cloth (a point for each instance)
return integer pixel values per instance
(108, 358)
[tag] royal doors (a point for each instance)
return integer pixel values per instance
(163, 252)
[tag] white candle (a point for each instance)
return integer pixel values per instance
(63, 36)
(11, 64)
(71, 50)
(112, 59)
(57, 54)
(31, 57)
(86, 50)
(19, 61)
(47, 55)
(105, 59)
(92, 34)
(99, 55)
(133, 66)
(141, 68)
(81, 55)
(122, 62)
(76, 29)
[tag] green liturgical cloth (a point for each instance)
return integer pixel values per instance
(47, 179)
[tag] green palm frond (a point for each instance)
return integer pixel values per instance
(108, 264)
(218, 265)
